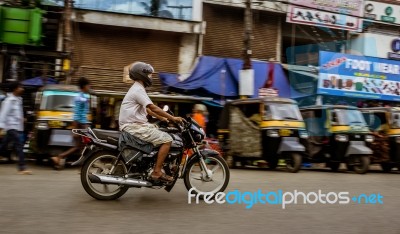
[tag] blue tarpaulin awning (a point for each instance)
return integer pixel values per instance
(38, 81)
(220, 77)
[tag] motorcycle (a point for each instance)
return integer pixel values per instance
(109, 170)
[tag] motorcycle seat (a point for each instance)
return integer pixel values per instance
(111, 137)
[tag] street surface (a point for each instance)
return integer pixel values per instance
(54, 202)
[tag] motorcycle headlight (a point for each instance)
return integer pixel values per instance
(303, 134)
(272, 133)
(198, 138)
(42, 126)
(369, 138)
(341, 138)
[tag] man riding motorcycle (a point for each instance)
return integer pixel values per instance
(133, 116)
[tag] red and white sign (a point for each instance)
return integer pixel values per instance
(300, 15)
(265, 92)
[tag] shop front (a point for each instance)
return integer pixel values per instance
(368, 80)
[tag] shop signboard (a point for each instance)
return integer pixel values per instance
(380, 11)
(125, 76)
(315, 17)
(348, 7)
(358, 76)
(395, 46)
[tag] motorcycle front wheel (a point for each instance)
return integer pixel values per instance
(102, 163)
(198, 182)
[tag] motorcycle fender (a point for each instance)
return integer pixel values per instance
(205, 152)
(358, 147)
(86, 153)
(208, 152)
(290, 144)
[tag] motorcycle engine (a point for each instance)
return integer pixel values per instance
(173, 155)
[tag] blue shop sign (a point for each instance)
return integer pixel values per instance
(395, 48)
(359, 76)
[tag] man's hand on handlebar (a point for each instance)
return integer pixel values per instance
(158, 112)
(178, 120)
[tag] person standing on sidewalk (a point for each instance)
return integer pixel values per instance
(81, 111)
(12, 123)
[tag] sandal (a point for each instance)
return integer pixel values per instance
(164, 178)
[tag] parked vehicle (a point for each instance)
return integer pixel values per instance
(263, 129)
(109, 169)
(54, 106)
(337, 134)
(384, 122)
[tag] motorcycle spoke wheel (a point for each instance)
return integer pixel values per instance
(103, 165)
(198, 180)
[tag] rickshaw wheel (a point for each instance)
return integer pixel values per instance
(293, 163)
(231, 161)
(350, 167)
(386, 167)
(334, 166)
(364, 164)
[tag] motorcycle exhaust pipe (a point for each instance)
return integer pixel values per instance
(110, 179)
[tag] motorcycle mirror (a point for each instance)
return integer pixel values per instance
(166, 108)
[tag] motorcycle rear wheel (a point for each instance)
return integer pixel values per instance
(103, 161)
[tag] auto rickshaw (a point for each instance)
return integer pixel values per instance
(384, 122)
(54, 106)
(337, 134)
(263, 129)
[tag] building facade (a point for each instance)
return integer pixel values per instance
(225, 29)
(108, 38)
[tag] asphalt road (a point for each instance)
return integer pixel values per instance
(55, 202)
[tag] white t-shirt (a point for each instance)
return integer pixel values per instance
(133, 107)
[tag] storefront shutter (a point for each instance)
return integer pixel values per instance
(225, 29)
(101, 52)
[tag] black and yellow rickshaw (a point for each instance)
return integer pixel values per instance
(262, 129)
(384, 122)
(337, 134)
(54, 108)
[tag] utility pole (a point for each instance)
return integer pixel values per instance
(246, 75)
(248, 34)
(67, 39)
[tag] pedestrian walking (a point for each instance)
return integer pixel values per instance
(12, 124)
(81, 111)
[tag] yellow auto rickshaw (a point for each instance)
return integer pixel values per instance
(337, 134)
(262, 129)
(54, 106)
(384, 122)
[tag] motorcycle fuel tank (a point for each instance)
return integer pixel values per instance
(177, 141)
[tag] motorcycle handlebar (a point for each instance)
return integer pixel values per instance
(181, 127)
